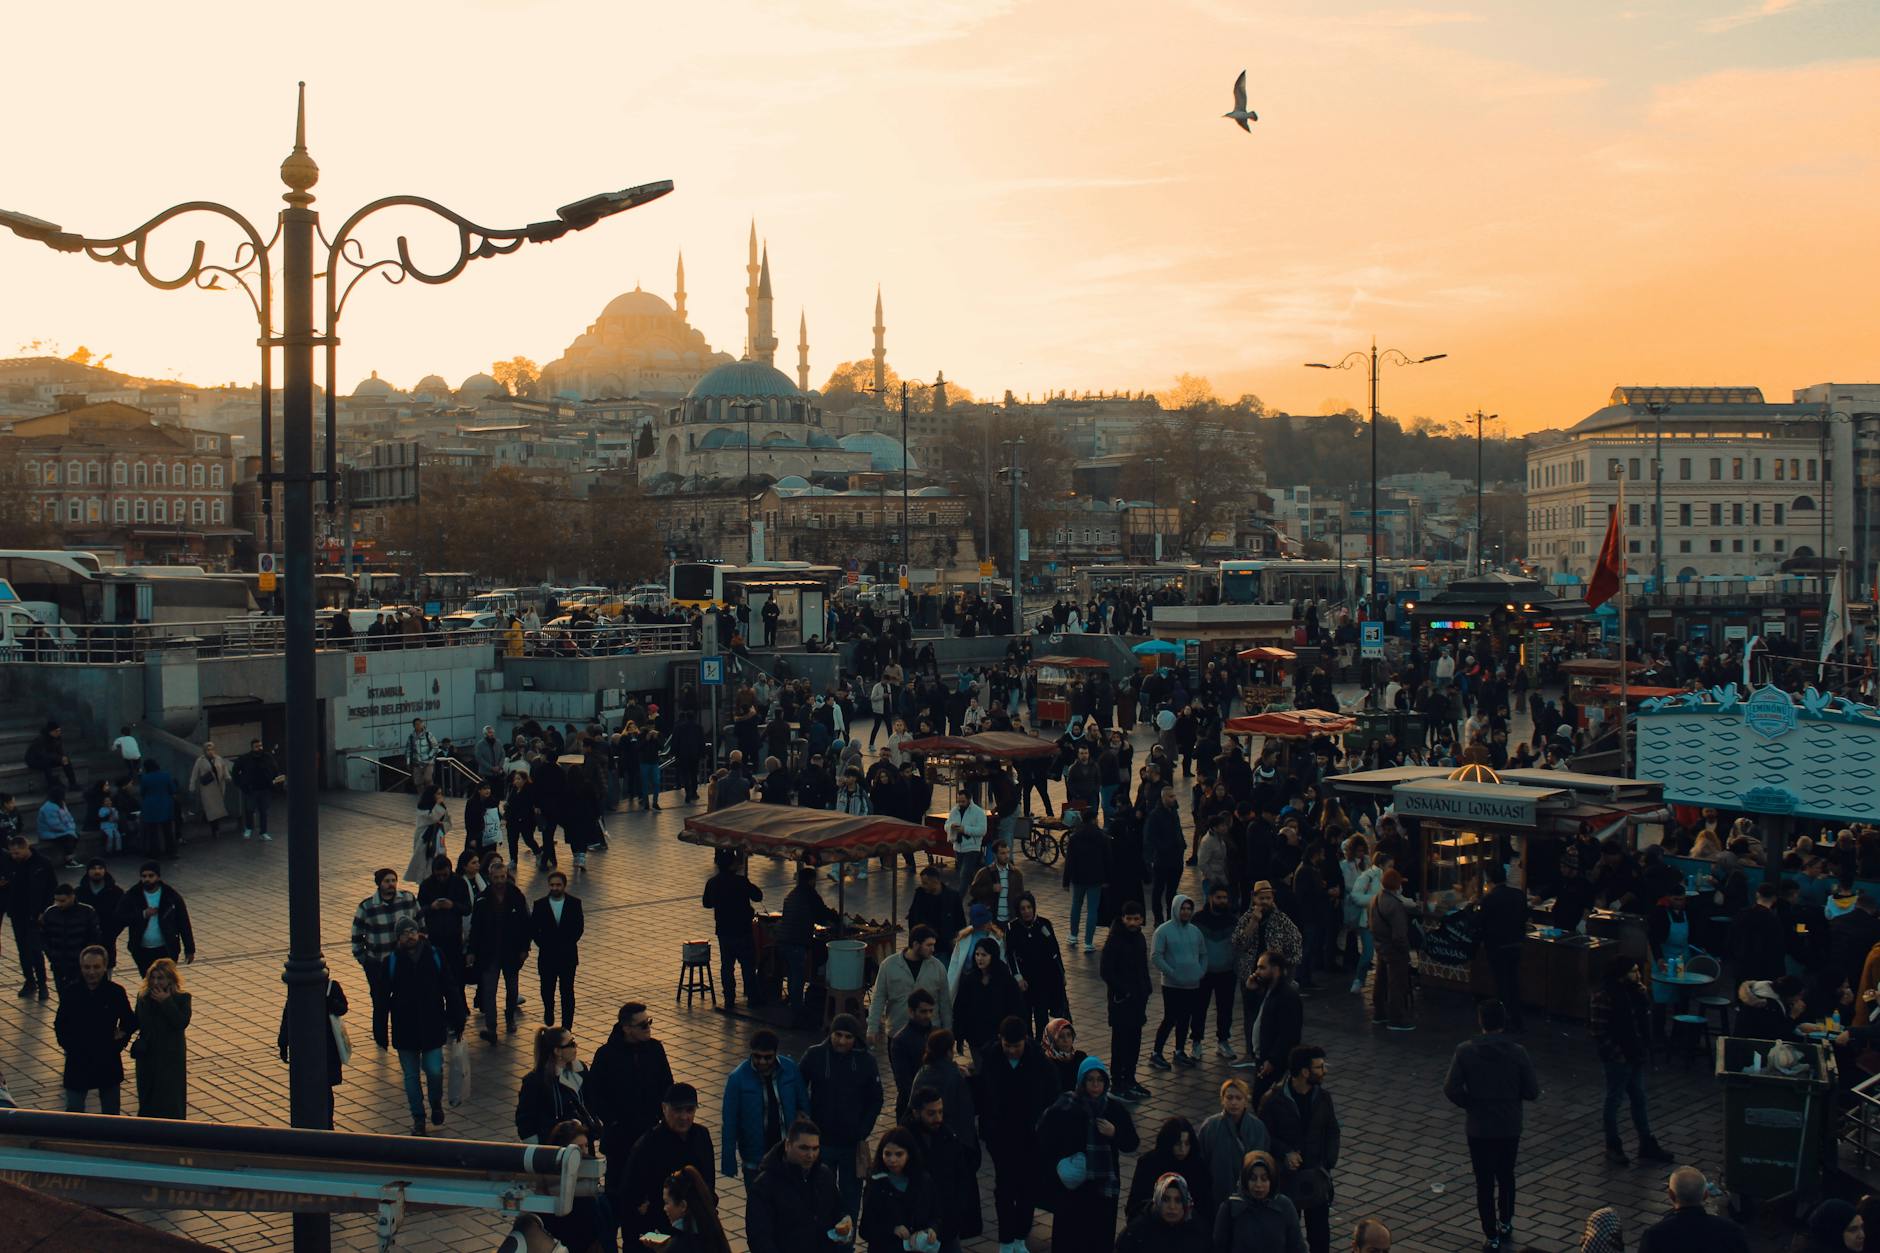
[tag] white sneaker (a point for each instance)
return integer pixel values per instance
(267, 837)
(1223, 1049)
(247, 834)
(1357, 985)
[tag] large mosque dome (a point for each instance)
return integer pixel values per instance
(640, 345)
(884, 451)
(480, 387)
(744, 380)
(374, 388)
(637, 304)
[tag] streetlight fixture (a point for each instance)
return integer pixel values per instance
(291, 249)
(1392, 356)
(748, 407)
(1479, 484)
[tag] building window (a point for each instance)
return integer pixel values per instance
(933, 519)
(215, 476)
(120, 510)
(1781, 544)
(160, 474)
(117, 474)
(159, 512)
(1755, 545)
(1684, 546)
(1736, 515)
(1716, 515)
(1780, 509)
(1684, 468)
(1781, 469)
(176, 475)
(139, 475)
(1736, 469)
(1632, 515)
(72, 509)
(215, 512)
(74, 473)
(196, 511)
(1612, 469)
(1811, 468)
(1716, 469)
(198, 474)
(1684, 515)
(94, 510)
(1716, 546)
(94, 473)
(1631, 545)
(32, 473)
(1755, 515)
(1795, 467)
(1632, 469)
(140, 510)
(1736, 545)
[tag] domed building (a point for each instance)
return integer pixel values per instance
(478, 388)
(884, 451)
(432, 387)
(747, 414)
(640, 345)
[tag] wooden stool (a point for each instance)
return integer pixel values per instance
(835, 1001)
(695, 973)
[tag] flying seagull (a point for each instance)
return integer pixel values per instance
(1242, 114)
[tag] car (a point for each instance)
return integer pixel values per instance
(465, 620)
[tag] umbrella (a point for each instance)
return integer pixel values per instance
(1148, 647)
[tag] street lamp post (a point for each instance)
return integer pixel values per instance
(748, 407)
(905, 559)
(1393, 356)
(1479, 481)
(1017, 474)
(1155, 517)
(292, 249)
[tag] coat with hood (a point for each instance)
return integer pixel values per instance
(1180, 951)
(1217, 929)
(743, 1122)
(980, 1004)
(1065, 1129)
(844, 1091)
(790, 1210)
(1244, 1225)
(1036, 957)
(624, 1085)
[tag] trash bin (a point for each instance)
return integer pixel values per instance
(1778, 1128)
(845, 965)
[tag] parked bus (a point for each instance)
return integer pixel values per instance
(72, 589)
(1194, 582)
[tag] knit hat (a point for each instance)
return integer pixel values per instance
(979, 915)
(846, 1022)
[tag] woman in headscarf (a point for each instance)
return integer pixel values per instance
(1834, 1226)
(1082, 1139)
(1177, 1151)
(1603, 1233)
(1060, 1049)
(1170, 1223)
(1258, 1218)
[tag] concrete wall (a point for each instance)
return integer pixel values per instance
(94, 700)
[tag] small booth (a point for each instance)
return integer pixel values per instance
(1462, 819)
(1289, 728)
(1268, 684)
(814, 838)
(1056, 672)
(956, 760)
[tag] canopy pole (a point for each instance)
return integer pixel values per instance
(894, 896)
(842, 889)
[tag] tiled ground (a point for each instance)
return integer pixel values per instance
(1404, 1154)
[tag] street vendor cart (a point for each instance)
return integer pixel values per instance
(958, 760)
(1056, 673)
(1288, 729)
(1268, 669)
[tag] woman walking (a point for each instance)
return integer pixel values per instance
(161, 1052)
(900, 1210)
(519, 816)
(208, 783)
(551, 1091)
(429, 823)
(649, 765)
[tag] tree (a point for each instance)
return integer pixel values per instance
(643, 447)
(1191, 391)
(849, 383)
(20, 526)
(1208, 466)
(518, 375)
(615, 541)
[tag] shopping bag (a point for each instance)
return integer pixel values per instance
(456, 1071)
(342, 1039)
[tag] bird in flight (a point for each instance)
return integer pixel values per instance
(1242, 114)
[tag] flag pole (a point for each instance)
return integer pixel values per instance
(1625, 661)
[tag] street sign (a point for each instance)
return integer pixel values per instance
(264, 564)
(711, 671)
(986, 569)
(265, 582)
(1372, 641)
(1024, 544)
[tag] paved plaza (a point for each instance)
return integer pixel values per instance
(1404, 1156)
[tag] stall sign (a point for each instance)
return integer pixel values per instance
(1736, 633)
(1512, 810)
(1454, 624)
(1770, 713)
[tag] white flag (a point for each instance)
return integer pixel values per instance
(1835, 628)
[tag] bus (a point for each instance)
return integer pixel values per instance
(331, 590)
(72, 589)
(1275, 581)
(1195, 583)
(698, 584)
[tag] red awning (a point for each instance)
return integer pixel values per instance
(816, 837)
(1636, 692)
(1598, 667)
(997, 745)
(1296, 724)
(1063, 662)
(1267, 653)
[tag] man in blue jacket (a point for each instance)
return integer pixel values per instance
(763, 1096)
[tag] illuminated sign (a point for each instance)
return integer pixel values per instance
(1454, 624)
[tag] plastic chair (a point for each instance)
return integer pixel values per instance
(695, 973)
(1710, 1002)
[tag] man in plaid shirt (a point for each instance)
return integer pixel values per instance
(374, 936)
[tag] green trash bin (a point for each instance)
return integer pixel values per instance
(1778, 1128)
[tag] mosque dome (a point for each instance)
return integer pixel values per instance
(721, 437)
(431, 385)
(884, 451)
(822, 439)
(373, 388)
(935, 490)
(637, 304)
(792, 483)
(750, 380)
(479, 386)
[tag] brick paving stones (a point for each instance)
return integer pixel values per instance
(1404, 1154)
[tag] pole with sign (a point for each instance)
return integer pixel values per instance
(1371, 640)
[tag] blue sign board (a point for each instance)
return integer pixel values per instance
(711, 671)
(1372, 640)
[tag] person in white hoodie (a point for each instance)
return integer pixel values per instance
(1180, 953)
(1363, 881)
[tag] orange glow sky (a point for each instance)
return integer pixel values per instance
(1563, 197)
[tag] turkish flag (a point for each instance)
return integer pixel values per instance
(1611, 568)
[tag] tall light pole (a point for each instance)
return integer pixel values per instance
(1392, 356)
(750, 520)
(1017, 475)
(1155, 516)
(1480, 538)
(905, 559)
(291, 249)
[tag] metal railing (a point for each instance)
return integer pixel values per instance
(102, 644)
(1860, 1122)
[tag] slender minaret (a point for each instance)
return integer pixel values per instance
(802, 350)
(678, 296)
(764, 347)
(750, 296)
(881, 348)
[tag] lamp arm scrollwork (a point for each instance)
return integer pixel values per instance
(473, 243)
(132, 249)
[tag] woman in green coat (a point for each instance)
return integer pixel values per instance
(161, 1051)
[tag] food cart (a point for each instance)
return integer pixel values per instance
(1056, 672)
(1288, 728)
(1460, 820)
(815, 838)
(959, 759)
(1266, 686)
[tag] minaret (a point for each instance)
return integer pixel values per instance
(750, 297)
(881, 348)
(940, 394)
(764, 345)
(802, 350)
(678, 296)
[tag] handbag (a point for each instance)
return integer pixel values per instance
(1309, 1187)
(456, 1071)
(342, 1038)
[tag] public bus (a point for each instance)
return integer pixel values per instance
(72, 589)
(331, 590)
(698, 584)
(1274, 581)
(1196, 583)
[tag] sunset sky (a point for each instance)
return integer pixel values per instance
(1562, 197)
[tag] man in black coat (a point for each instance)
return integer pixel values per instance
(937, 904)
(845, 1098)
(556, 927)
(952, 1162)
(155, 920)
(100, 891)
(1303, 1134)
(28, 879)
(626, 1082)
(1125, 971)
(1759, 938)
(1688, 1228)
(67, 928)
(1275, 1021)
(1012, 1088)
(93, 1026)
(688, 747)
(1504, 930)
(424, 1013)
(729, 894)
(794, 1203)
(499, 943)
(673, 1143)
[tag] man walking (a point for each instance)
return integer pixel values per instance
(420, 755)
(1164, 849)
(794, 1203)
(1490, 1076)
(676, 1141)
(1504, 930)
(1275, 1021)
(499, 944)
(629, 1075)
(1390, 931)
(729, 894)
(375, 927)
(1303, 1134)
(556, 926)
(424, 1012)
(68, 928)
(1216, 924)
(155, 920)
(28, 880)
(1012, 1089)
(763, 1096)
(162, 831)
(1125, 972)
(939, 906)
(845, 1098)
(1620, 1023)
(255, 775)
(1180, 954)
(93, 1026)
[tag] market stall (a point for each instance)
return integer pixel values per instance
(1458, 821)
(1056, 673)
(1268, 675)
(959, 759)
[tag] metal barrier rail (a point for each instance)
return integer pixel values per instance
(1860, 1122)
(91, 644)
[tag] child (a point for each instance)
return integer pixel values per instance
(108, 824)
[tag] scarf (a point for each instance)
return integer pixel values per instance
(1054, 1047)
(1099, 1157)
(1172, 1180)
(1602, 1232)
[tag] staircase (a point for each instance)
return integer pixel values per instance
(28, 787)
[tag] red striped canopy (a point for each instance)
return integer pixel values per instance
(1295, 724)
(815, 837)
(999, 745)
(1267, 652)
